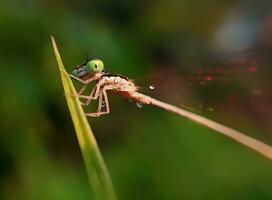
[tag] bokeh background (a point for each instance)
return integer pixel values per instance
(212, 57)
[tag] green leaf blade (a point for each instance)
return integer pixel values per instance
(97, 171)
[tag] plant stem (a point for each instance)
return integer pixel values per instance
(98, 174)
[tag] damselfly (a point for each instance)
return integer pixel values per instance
(93, 70)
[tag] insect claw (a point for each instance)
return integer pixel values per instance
(74, 95)
(92, 114)
(64, 73)
(83, 104)
(69, 94)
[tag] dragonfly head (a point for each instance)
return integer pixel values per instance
(89, 69)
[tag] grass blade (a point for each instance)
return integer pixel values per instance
(98, 175)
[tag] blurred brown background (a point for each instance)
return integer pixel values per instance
(211, 56)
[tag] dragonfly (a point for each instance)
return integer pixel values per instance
(94, 70)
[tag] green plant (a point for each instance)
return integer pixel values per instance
(97, 171)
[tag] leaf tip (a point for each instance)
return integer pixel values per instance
(52, 38)
(54, 43)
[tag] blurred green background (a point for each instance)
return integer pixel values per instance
(213, 56)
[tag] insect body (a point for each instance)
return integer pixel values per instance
(93, 70)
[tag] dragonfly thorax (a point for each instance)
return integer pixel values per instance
(118, 84)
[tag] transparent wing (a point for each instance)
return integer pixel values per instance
(233, 85)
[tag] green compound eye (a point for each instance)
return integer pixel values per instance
(95, 66)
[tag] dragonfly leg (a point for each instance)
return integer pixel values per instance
(82, 90)
(100, 103)
(74, 96)
(99, 110)
(80, 80)
(91, 96)
(94, 94)
(85, 82)
(106, 101)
